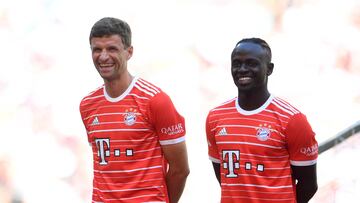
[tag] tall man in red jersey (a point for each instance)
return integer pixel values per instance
(136, 134)
(262, 148)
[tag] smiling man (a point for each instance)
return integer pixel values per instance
(262, 148)
(136, 134)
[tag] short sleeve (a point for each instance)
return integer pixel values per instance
(301, 142)
(169, 124)
(82, 115)
(210, 135)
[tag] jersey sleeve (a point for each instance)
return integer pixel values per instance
(301, 142)
(210, 135)
(169, 124)
(83, 116)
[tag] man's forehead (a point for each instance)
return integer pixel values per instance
(247, 46)
(106, 39)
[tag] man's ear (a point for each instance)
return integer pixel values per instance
(270, 69)
(130, 52)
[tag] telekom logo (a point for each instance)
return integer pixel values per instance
(231, 161)
(103, 146)
(103, 151)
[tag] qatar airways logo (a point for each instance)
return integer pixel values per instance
(172, 130)
(310, 151)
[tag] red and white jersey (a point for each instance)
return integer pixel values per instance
(256, 148)
(126, 134)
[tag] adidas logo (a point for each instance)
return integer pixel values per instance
(95, 121)
(223, 132)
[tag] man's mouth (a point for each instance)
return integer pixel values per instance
(244, 80)
(105, 67)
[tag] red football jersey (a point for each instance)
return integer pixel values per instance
(126, 134)
(255, 149)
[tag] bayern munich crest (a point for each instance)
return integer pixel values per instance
(263, 132)
(130, 116)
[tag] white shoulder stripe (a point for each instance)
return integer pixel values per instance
(219, 109)
(146, 87)
(227, 102)
(143, 90)
(150, 85)
(92, 92)
(137, 96)
(231, 100)
(87, 98)
(286, 105)
(280, 100)
(277, 113)
(282, 108)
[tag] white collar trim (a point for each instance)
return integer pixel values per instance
(255, 111)
(124, 94)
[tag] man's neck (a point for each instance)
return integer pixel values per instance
(115, 88)
(251, 101)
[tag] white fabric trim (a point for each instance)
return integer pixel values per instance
(252, 112)
(150, 85)
(214, 160)
(173, 141)
(144, 90)
(127, 91)
(303, 163)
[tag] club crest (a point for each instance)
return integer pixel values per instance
(263, 132)
(130, 116)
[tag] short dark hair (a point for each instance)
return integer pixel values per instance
(112, 26)
(258, 41)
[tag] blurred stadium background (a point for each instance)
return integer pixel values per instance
(184, 47)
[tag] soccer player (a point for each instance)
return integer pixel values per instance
(136, 134)
(262, 148)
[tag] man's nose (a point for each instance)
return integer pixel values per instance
(104, 55)
(242, 68)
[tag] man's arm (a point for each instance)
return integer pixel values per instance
(217, 171)
(176, 156)
(306, 185)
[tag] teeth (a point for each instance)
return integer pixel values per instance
(245, 78)
(106, 65)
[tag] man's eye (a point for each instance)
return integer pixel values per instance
(236, 64)
(96, 50)
(251, 63)
(113, 49)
